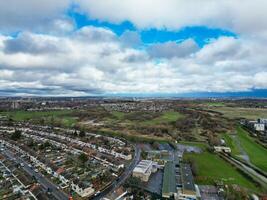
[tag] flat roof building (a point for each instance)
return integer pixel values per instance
(169, 182)
(188, 190)
(144, 169)
(222, 149)
(178, 181)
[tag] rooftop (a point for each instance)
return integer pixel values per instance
(187, 177)
(143, 166)
(169, 178)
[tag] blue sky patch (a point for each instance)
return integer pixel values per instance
(200, 34)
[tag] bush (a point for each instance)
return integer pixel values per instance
(16, 135)
(83, 157)
(82, 133)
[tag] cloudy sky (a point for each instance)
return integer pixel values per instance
(101, 47)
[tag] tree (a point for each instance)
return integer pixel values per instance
(82, 133)
(16, 135)
(83, 157)
(10, 121)
(75, 133)
(44, 145)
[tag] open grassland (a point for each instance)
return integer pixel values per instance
(118, 115)
(63, 117)
(232, 144)
(216, 104)
(166, 117)
(144, 118)
(257, 153)
(210, 168)
(133, 137)
(27, 115)
(201, 145)
(237, 112)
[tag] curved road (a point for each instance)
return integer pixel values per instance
(123, 177)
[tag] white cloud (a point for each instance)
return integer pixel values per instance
(17, 15)
(50, 57)
(173, 49)
(81, 65)
(242, 16)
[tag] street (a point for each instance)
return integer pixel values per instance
(123, 177)
(58, 194)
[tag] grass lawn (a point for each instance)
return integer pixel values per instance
(256, 152)
(215, 104)
(231, 143)
(62, 116)
(237, 112)
(166, 117)
(27, 115)
(119, 115)
(201, 145)
(211, 168)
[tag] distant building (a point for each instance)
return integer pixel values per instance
(15, 105)
(259, 126)
(262, 120)
(220, 149)
(144, 169)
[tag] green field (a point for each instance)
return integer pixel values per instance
(256, 152)
(118, 115)
(211, 168)
(61, 116)
(237, 112)
(231, 143)
(166, 117)
(201, 145)
(216, 104)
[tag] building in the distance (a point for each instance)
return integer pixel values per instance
(220, 149)
(144, 169)
(259, 126)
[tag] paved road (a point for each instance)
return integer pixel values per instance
(58, 194)
(123, 177)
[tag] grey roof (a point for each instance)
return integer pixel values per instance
(169, 185)
(187, 177)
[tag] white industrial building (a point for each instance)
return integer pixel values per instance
(144, 169)
(259, 126)
(222, 149)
